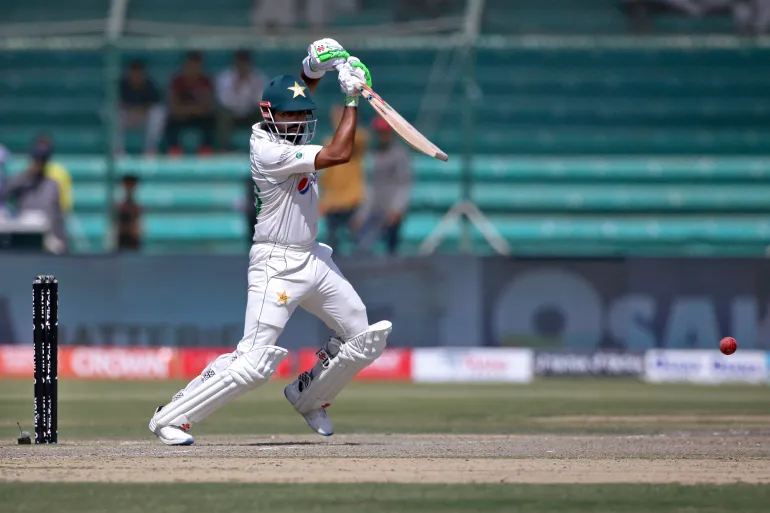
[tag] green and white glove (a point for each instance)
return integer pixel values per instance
(351, 75)
(349, 84)
(322, 56)
(360, 70)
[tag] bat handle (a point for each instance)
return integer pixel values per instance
(338, 67)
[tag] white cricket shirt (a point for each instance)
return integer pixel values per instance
(285, 190)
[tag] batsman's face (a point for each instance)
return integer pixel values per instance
(290, 122)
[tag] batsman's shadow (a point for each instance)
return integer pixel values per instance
(305, 443)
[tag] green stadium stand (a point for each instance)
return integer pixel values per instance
(565, 205)
(622, 151)
(590, 17)
(29, 11)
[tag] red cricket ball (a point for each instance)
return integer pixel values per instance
(728, 345)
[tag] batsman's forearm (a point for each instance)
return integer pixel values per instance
(345, 137)
(340, 150)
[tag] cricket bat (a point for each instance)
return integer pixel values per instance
(402, 127)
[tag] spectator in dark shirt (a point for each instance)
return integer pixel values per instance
(128, 217)
(140, 107)
(191, 105)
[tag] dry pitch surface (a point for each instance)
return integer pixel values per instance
(703, 458)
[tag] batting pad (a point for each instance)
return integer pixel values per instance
(246, 372)
(329, 377)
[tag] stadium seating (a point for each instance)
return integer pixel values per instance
(538, 101)
(609, 206)
(590, 17)
(613, 151)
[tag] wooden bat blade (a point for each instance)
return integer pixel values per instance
(402, 127)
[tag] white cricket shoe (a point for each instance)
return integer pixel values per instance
(171, 435)
(318, 420)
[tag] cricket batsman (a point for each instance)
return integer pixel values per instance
(287, 266)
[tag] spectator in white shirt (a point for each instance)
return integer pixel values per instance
(238, 90)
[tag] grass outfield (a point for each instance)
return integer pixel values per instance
(89, 409)
(381, 498)
(262, 448)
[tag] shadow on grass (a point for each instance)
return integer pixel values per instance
(290, 444)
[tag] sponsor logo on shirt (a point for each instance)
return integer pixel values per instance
(306, 182)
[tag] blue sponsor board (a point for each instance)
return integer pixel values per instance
(200, 300)
(708, 367)
(768, 366)
(626, 304)
(578, 306)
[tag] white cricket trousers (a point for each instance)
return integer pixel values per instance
(283, 278)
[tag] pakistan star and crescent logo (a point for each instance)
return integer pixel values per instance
(298, 90)
(283, 298)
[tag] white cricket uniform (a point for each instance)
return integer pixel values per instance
(288, 267)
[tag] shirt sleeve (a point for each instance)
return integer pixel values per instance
(282, 160)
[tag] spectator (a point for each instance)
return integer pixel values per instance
(342, 187)
(238, 92)
(34, 193)
(128, 217)
(389, 196)
(191, 105)
(140, 107)
(42, 151)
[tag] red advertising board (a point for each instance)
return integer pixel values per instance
(16, 362)
(393, 365)
(193, 361)
(117, 363)
(161, 363)
(110, 363)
